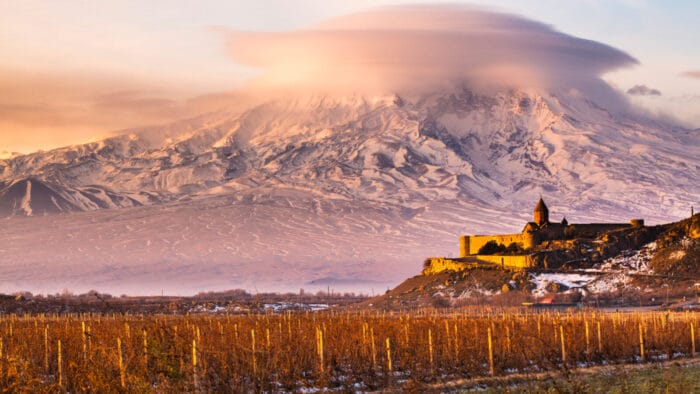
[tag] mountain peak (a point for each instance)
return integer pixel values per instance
(460, 144)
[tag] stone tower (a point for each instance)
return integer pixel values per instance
(541, 213)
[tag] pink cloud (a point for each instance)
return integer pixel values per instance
(420, 48)
(691, 74)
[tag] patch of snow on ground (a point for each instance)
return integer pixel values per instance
(295, 306)
(615, 272)
(475, 291)
(569, 280)
(608, 283)
(631, 260)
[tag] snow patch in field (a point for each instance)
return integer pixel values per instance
(542, 280)
(295, 306)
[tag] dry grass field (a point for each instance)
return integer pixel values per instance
(336, 350)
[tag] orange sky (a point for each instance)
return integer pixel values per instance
(71, 72)
(68, 108)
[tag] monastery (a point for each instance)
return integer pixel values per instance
(523, 250)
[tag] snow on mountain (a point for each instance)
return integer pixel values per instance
(31, 197)
(358, 189)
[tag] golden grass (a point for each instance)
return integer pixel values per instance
(360, 351)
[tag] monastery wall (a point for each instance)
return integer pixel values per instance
(592, 229)
(517, 262)
(435, 265)
(474, 243)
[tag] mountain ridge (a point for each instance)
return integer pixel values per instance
(286, 193)
(463, 141)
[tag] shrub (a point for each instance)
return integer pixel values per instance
(492, 247)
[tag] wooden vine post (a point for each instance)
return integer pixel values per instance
(491, 369)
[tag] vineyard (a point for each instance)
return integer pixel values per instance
(336, 350)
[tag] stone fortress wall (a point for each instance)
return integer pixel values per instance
(512, 262)
(534, 233)
(435, 265)
(470, 245)
(595, 229)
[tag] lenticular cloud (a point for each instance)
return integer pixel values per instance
(422, 48)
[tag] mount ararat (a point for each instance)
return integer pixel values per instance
(351, 193)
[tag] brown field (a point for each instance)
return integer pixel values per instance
(336, 350)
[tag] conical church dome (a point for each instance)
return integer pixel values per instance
(541, 206)
(541, 213)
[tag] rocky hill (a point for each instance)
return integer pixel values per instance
(644, 264)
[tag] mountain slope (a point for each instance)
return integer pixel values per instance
(300, 190)
(30, 196)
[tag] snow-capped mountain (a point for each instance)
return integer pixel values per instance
(457, 146)
(329, 190)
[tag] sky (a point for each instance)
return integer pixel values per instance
(74, 71)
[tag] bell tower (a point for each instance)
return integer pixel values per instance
(541, 213)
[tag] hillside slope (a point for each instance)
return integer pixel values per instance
(667, 261)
